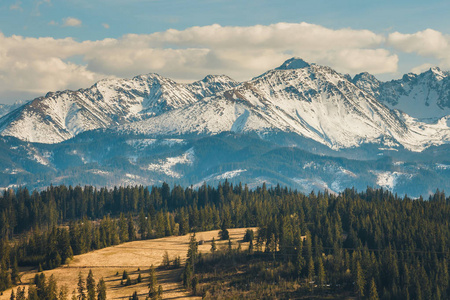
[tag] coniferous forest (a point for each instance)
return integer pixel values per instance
(371, 244)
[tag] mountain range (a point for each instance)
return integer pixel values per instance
(302, 125)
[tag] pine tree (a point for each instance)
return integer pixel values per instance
(32, 293)
(321, 276)
(51, 289)
(20, 295)
(131, 228)
(80, 287)
(187, 275)
(249, 235)
(63, 293)
(134, 296)
(123, 229)
(213, 246)
(90, 286)
(160, 291)
(192, 253)
(311, 271)
(360, 281)
(299, 259)
(101, 290)
(13, 295)
(272, 245)
(166, 260)
(373, 294)
(142, 225)
(153, 283)
(15, 277)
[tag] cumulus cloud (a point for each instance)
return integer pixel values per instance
(71, 22)
(34, 66)
(45, 64)
(428, 43)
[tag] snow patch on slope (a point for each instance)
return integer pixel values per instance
(220, 176)
(166, 166)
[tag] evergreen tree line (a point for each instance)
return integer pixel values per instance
(400, 243)
(44, 289)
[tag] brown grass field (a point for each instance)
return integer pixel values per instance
(131, 256)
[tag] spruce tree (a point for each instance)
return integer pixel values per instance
(51, 289)
(63, 293)
(360, 281)
(160, 291)
(80, 287)
(32, 293)
(134, 296)
(101, 290)
(90, 286)
(20, 295)
(213, 246)
(321, 276)
(15, 277)
(192, 253)
(153, 283)
(123, 229)
(373, 294)
(131, 228)
(311, 271)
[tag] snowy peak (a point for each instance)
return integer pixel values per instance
(211, 85)
(425, 96)
(110, 102)
(368, 83)
(293, 63)
(316, 102)
(437, 73)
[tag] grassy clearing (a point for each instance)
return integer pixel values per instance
(131, 256)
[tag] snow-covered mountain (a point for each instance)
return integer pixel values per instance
(311, 101)
(425, 96)
(62, 115)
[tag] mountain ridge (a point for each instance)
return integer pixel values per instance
(310, 100)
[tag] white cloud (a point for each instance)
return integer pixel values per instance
(241, 52)
(53, 23)
(38, 65)
(428, 43)
(106, 26)
(71, 22)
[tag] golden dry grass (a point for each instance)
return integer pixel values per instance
(131, 256)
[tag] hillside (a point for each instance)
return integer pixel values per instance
(129, 257)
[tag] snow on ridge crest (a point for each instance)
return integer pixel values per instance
(310, 100)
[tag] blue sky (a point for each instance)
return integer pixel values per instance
(89, 40)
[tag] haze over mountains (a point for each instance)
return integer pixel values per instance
(301, 124)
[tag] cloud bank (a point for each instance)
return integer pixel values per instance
(39, 65)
